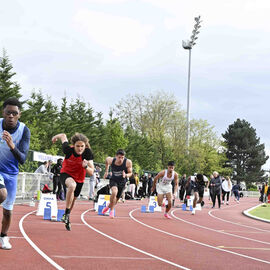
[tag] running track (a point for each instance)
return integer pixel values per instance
(212, 239)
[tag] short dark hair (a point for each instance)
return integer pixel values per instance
(120, 152)
(199, 177)
(12, 101)
(171, 163)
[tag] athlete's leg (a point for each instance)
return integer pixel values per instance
(71, 186)
(3, 194)
(160, 199)
(113, 198)
(169, 199)
(196, 197)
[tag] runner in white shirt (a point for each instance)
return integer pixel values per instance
(164, 186)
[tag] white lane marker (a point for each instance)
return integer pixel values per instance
(101, 257)
(235, 223)
(34, 246)
(196, 242)
(219, 231)
(129, 246)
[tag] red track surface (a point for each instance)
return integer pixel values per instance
(212, 239)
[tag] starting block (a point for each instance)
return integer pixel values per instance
(185, 208)
(100, 208)
(47, 214)
(150, 209)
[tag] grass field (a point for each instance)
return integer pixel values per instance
(261, 211)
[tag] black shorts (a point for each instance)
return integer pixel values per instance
(77, 191)
(120, 186)
(199, 189)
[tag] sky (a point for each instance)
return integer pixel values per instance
(103, 50)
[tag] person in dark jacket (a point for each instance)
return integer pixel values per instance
(235, 191)
(182, 185)
(215, 185)
(56, 177)
(265, 192)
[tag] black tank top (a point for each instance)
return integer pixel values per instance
(117, 171)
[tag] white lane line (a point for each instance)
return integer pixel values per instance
(129, 246)
(219, 231)
(34, 246)
(101, 257)
(16, 237)
(235, 223)
(196, 242)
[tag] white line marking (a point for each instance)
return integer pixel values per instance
(129, 246)
(16, 237)
(219, 231)
(39, 251)
(196, 242)
(100, 257)
(235, 223)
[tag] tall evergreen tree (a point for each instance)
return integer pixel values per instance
(8, 87)
(245, 153)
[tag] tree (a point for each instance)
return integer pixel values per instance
(8, 88)
(245, 153)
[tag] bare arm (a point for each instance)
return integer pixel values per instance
(129, 169)
(60, 136)
(107, 165)
(89, 166)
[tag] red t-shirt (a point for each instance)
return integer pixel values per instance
(72, 164)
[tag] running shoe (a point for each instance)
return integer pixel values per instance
(202, 203)
(111, 214)
(5, 242)
(166, 215)
(65, 219)
(104, 210)
(193, 212)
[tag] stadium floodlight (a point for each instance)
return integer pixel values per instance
(188, 45)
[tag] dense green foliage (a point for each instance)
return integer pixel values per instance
(245, 153)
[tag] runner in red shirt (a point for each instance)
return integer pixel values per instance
(78, 161)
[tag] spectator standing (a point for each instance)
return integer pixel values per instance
(265, 192)
(137, 183)
(56, 178)
(92, 184)
(144, 184)
(149, 184)
(182, 184)
(132, 185)
(226, 187)
(43, 168)
(235, 190)
(216, 186)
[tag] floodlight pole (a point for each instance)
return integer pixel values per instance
(188, 45)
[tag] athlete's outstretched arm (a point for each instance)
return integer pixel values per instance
(107, 165)
(89, 166)
(60, 136)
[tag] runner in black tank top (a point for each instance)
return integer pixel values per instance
(121, 169)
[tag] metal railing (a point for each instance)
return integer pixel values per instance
(30, 183)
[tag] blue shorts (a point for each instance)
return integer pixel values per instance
(11, 186)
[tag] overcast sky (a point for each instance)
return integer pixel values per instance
(103, 50)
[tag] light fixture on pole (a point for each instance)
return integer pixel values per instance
(188, 45)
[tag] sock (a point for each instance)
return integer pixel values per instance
(3, 234)
(67, 211)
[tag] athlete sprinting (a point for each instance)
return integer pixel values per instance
(78, 160)
(14, 145)
(164, 187)
(121, 168)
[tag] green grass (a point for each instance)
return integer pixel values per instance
(261, 211)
